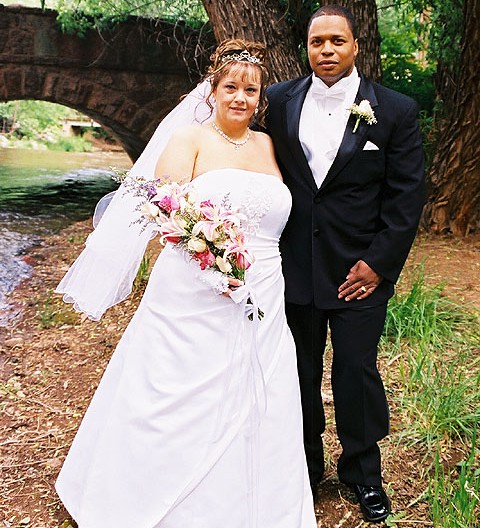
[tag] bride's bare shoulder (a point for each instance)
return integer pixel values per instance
(188, 132)
(262, 137)
(264, 140)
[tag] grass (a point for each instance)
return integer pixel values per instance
(76, 238)
(143, 273)
(70, 144)
(455, 494)
(423, 316)
(432, 348)
(53, 312)
(443, 403)
(59, 143)
(434, 345)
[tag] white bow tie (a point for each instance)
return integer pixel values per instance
(320, 91)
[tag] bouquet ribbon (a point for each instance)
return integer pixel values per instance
(246, 296)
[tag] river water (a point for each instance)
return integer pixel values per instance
(42, 192)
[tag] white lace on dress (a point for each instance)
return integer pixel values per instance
(217, 281)
(255, 205)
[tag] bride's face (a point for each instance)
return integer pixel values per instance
(237, 94)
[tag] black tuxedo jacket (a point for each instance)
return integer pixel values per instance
(367, 208)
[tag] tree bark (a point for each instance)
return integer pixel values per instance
(260, 20)
(365, 13)
(453, 204)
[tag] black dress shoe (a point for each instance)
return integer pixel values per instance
(374, 502)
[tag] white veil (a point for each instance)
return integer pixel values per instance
(104, 272)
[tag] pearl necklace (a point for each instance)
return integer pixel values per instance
(237, 144)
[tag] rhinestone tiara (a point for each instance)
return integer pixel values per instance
(243, 56)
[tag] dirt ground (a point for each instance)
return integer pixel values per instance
(51, 361)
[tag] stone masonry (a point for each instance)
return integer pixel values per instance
(126, 79)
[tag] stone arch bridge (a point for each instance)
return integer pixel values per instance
(126, 79)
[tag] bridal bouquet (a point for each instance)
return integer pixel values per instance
(209, 234)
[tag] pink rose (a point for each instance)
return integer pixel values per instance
(169, 204)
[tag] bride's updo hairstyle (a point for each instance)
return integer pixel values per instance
(244, 58)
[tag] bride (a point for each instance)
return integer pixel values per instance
(197, 420)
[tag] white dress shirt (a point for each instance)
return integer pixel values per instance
(323, 120)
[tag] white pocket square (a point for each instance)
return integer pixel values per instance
(370, 146)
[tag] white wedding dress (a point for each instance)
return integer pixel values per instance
(197, 421)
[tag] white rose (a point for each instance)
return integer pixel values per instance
(149, 209)
(197, 245)
(364, 106)
(223, 265)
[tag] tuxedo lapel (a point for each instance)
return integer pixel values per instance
(292, 110)
(351, 141)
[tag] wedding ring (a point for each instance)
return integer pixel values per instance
(363, 289)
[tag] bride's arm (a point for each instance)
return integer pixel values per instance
(177, 161)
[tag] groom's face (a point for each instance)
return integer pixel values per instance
(331, 48)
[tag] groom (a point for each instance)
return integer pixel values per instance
(357, 186)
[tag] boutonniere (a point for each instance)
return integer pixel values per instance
(363, 111)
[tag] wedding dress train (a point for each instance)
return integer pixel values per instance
(197, 421)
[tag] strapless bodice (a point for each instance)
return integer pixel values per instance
(263, 198)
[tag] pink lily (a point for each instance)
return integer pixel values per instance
(213, 213)
(172, 230)
(243, 258)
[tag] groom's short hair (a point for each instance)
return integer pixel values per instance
(335, 10)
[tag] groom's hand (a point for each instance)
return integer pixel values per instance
(361, 282)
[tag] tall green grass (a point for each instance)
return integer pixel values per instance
(455, 494)
(440, 396)
(424, 316)
(143, 273)
(434, 345)
(431, 346)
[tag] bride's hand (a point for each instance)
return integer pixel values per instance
(233, 285)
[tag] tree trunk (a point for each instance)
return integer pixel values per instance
(365, 13)
(261, 20)
(453, 203)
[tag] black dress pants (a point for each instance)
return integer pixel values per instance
(361, 410)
